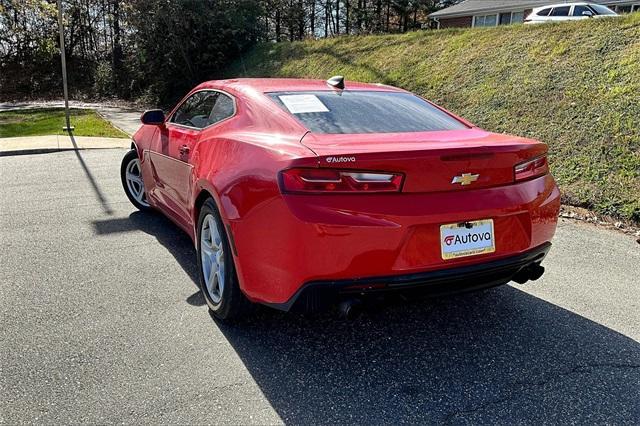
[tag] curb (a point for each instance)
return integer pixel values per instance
(49, 151)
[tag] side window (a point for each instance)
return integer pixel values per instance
(485, 21)
(577, 10)
(517, 17)
(504, 18)
(544, 12)
(224, 108)
(196, 110)
(560, 11)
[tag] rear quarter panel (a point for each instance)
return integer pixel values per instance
(237, 163)
(240, 171)
(238, 160)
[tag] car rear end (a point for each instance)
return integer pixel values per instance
(404, 196)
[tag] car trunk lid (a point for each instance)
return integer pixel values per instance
(455, 160)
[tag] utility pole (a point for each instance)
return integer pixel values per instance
(68, 127)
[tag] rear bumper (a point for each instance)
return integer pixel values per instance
(316, 295)
(288, 241)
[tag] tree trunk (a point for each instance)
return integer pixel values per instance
(388, 13)
(312, 21)
(104, 25)
(117, 47)
(337, 21)
(300, 19)
(347, 25)
(290, 20)
(327, 8)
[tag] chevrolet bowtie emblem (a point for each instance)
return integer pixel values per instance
(465, 179)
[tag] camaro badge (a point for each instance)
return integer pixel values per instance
(465, 178)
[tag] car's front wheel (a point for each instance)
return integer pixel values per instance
(218, 278)
(131, 175)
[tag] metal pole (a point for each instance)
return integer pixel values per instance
(68, 127)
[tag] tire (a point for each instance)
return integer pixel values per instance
(228, 302)
(131, 176)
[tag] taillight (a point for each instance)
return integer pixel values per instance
(532, 168)
(338, 181)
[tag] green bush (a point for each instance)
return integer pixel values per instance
(103, 81)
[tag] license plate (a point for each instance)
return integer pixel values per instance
(467, 239)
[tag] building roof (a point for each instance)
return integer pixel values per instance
(473, 7)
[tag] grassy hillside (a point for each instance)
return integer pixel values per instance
(575, 86)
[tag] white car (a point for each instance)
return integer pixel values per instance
(568, 12)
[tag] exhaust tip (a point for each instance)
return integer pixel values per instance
(536, 271)
(350, 308)
(530, 273)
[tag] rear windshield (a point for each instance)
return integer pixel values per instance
(364, 112)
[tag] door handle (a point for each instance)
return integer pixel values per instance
(184, 150)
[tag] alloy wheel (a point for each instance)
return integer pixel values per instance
(135, 185)
(212, 256)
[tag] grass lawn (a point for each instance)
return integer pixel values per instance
(50, 121)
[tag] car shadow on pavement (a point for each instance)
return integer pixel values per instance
(177, 243)
(500, 356)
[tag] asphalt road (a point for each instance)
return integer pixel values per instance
(101, 322)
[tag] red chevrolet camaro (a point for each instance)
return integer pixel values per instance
(299, 192)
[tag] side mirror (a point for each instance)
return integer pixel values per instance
(587, 13)
(153, 116)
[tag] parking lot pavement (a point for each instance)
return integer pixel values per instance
(101, 322)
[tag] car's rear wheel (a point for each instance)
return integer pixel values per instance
(131, 175)
(218, 278)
